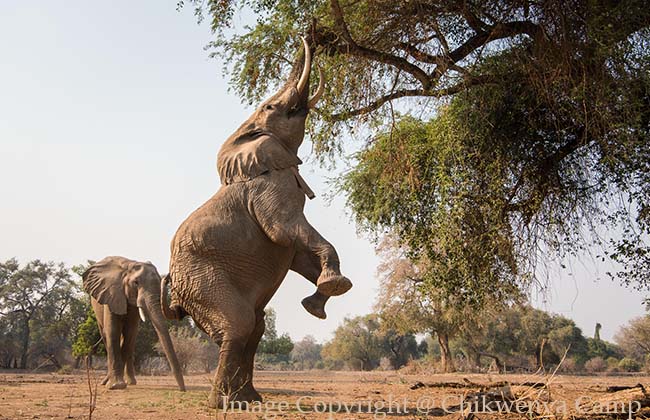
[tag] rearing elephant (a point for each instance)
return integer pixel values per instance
(230, 255)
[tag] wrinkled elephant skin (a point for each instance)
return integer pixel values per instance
(230, 255)
(122, 292)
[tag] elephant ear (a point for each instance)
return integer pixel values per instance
(252, 154)
(104, 282)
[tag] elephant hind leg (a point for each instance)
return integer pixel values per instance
(232, 380)
(249, 393)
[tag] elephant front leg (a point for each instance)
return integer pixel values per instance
(316, 254)
(114, 353)
(308, 265)
(130, 333)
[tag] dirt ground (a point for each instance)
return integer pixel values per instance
(323, 395)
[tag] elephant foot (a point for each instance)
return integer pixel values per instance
(240, 399)
(131, 381)
(333, 284)
(315, 305)
(105, 380)
(116, 385)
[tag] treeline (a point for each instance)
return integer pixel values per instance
(46, 323)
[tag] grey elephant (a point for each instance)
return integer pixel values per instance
(230, 256)
(122, 292)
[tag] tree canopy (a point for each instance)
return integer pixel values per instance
(498, 134)
(40, 309)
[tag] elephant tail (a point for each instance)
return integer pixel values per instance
(176, 312)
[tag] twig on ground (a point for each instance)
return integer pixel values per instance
(92, 399)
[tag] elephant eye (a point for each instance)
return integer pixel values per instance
(268, 107)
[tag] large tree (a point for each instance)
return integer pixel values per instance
(408, 303)
(634, 338)
(39, 304)
(528, 131)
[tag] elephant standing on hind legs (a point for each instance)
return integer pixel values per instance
(230, 256)
(122, 292)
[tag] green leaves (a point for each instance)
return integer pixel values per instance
(526, 133)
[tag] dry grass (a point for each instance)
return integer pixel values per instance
(30, 396)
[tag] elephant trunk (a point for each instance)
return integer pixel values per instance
(160, 325)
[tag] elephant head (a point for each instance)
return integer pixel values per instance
(119, 282)
(269, 139)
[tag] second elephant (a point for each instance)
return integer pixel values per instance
(122, 292)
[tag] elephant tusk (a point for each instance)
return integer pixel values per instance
(142, 316)
(304, 77)
(319, 92)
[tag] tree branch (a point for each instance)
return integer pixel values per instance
(437, 93)
(379, 56)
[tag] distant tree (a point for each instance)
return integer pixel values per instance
(10, 339)
(306, 353)
(409, 304)
(634, 338)
(356, 343)
(399, 348)
(601, 349)
(40, 301)
(273, 348)
(522, 331)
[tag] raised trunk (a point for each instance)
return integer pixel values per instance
(160, 325)
(445, 353)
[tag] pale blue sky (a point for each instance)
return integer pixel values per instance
(111, 114)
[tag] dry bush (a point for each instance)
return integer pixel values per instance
(194, 351)
(385, 364)
(418, 367)
(597, 364)
(568, 365)
(154, 366)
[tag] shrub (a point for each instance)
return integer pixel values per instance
(629, 365)
(612, 364)
(385, 364)
(65, 370)
(596, 364)
(193, 350)
(569, 365)
(418, 367)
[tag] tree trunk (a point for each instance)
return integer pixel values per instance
(500, 366)
(475, 357)
(445, 353)
(539, 355)
(24, 344)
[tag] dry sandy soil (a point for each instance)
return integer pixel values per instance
(307, 395)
